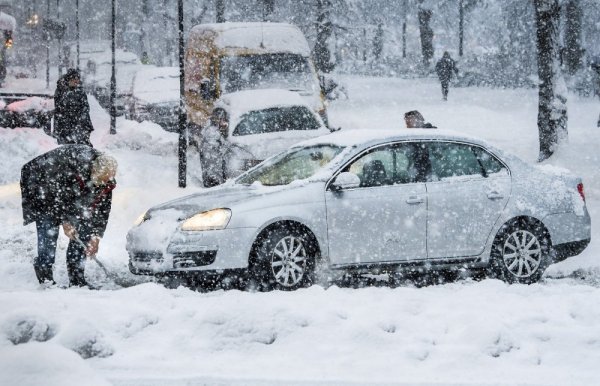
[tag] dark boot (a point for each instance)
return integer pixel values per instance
(76, 275)
(44, 274)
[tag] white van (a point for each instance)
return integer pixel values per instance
(229, 57)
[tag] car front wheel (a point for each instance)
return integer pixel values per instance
(521, 253)
(284, 261)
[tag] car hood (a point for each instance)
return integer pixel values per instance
(224, 196)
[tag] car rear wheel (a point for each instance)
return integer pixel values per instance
(521, 253)
(284, 260)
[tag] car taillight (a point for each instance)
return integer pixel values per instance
(581, 191)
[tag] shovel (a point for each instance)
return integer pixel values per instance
(108, 274)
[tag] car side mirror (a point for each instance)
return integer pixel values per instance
(345, 180)
(206, 90)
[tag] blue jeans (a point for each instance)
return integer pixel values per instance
(47, 235)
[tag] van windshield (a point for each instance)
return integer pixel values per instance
(260, 71)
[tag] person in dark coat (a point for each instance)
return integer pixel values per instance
(415, 120)
(72, 122)
(446, 68)
(69, 186)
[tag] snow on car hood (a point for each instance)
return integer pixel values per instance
(223, 196)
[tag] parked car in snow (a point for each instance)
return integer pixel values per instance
(155, 96)
(97, 74)
(258, 124)
(373, 202)
(228, 57)
(25, 110)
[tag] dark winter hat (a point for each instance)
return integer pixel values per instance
(414, 114)
(71, 74)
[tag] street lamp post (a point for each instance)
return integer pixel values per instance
(182, 114)
(47, 33)
(113, 78)
(77, 29)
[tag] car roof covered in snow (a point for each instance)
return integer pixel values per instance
(7, 22)
(240, 102)
(261, 37)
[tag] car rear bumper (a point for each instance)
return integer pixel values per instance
(570, 249)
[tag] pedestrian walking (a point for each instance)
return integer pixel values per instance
(69, 186)
(415, 120)
(446, 68)
(72, 122)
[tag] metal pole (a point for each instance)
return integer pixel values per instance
(47, 32)
(461, 23)
(113, 78)
(77, 29)
(59, 40)
(182, 112)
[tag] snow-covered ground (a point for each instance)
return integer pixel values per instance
(466, 332)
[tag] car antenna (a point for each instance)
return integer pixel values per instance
(262, 36)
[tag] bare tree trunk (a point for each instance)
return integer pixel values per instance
(426, 34)
(405, 6)
(573, 52)
(220, 9)
(552, 109)
(268, 9)
(321, 53)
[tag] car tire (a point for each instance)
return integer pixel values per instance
(521, 253)
(284, 260)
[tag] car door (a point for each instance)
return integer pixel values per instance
(467, 189)
(385, 218)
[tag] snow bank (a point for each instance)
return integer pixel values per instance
(36, 364)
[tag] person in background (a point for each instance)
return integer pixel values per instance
(69, 186)
(72, 122)
(415, 120)
(446, 68)
(215, 149)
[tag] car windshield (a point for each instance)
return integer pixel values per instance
(251, 72)
(276, 119)
(295, 164)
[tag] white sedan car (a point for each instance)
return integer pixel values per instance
(370, 202)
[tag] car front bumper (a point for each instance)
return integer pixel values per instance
(214, 250)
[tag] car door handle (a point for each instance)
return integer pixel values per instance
(412, 200)
(494, 195)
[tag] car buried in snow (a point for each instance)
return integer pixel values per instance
(370, 201)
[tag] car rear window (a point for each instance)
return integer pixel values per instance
(276, 119)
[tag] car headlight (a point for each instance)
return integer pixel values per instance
(143, 217)
(209, 220)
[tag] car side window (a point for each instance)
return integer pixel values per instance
(387, 165)
(450, 160)
(490, 164)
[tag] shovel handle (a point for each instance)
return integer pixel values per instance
(93, 257)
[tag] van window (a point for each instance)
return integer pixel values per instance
(276, 119)
(260, 71)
